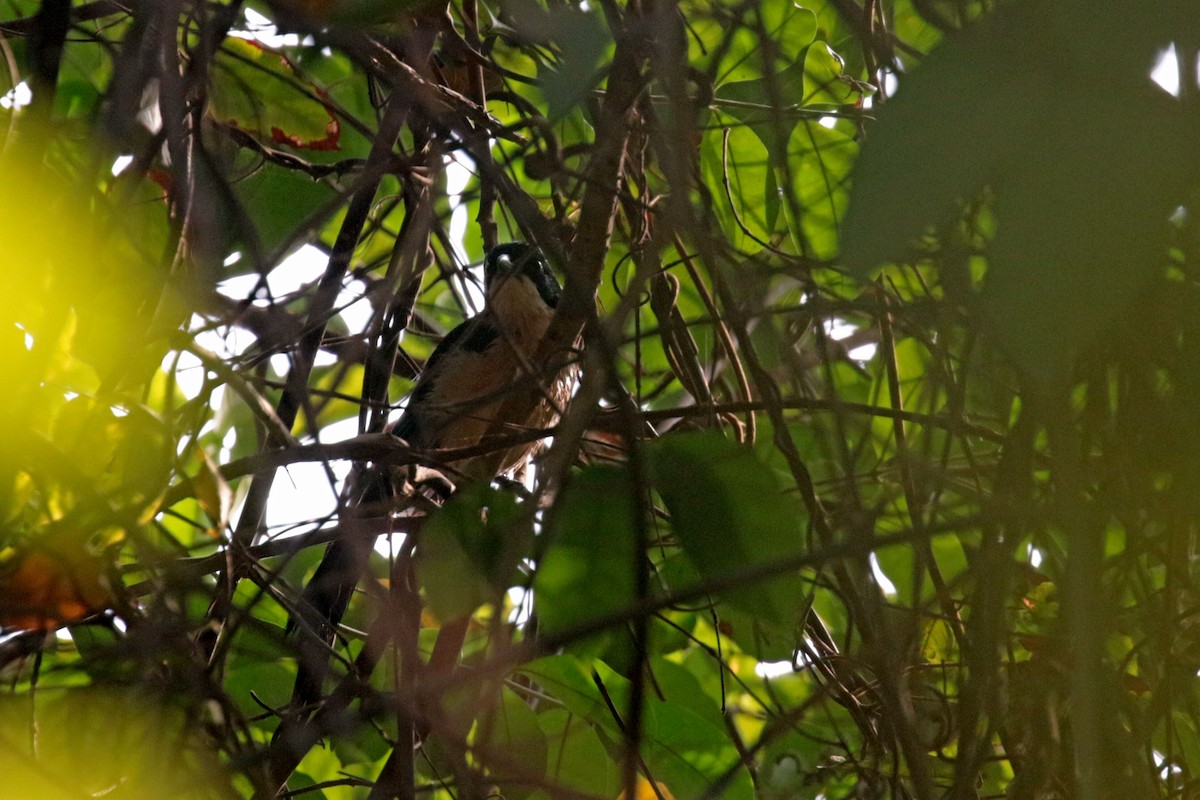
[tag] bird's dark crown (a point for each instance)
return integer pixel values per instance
(526, 260)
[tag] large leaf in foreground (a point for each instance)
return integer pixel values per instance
(730, 514)
(1084, 175)
(588, 568)
(469, 551)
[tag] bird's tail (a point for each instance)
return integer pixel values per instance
(327, 596)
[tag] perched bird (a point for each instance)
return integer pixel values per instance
(454, 403)
(467, 378)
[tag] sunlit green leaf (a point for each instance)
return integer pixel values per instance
(577, 758)
(736, 156)
(771, 104)
(819, 159)
(684, 751)
(259, 91)
(112, 742)
(790, 25)
(516, 746)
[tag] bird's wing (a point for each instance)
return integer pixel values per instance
(329, 590)
(473, 336)
(327, 594)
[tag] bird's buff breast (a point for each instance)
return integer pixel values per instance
(472, 390)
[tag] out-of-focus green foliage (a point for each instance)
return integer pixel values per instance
(121, 743)
(1085, 157)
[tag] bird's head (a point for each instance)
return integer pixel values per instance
(520, 262)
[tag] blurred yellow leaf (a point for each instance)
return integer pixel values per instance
(212, 491)
(648, 791)
(105, 742)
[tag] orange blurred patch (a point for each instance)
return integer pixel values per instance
(41, 590)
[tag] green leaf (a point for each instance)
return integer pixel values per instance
(83, 71)
(577, 758)
(1082, 222)
(914, 29)
(105, 741)
(1084, 175)
(515, 746)
(259, 672)
(820, 160)
(840, 34)
(278, 201)
(469, 551)
(756, 636)
(320, 766)
(730, 513)
(679, 687)
(817, 159)
(769, 105)
(588, 568)
(738, 154)
(825, 83)
(260, 91)
(580, 38)
(683, 749)
(790, 26)
(955, 122)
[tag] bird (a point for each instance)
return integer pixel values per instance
(453, 404)
(464, 383)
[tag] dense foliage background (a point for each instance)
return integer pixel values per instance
(882, 478)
